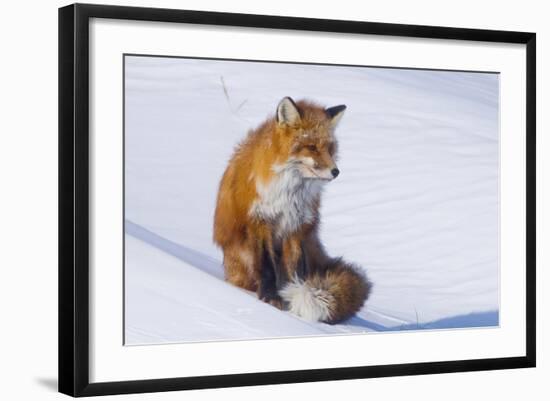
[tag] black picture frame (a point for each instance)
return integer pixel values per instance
(74, 198)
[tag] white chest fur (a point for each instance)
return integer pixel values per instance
(287, 201)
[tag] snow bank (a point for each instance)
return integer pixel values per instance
(416, 203)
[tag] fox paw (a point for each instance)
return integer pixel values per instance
(275, 301)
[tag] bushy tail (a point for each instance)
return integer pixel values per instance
(331, 296)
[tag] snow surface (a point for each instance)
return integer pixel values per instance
(416, 203)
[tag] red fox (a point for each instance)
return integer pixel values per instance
(267, 216)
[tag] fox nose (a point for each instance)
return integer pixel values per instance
(335, 172)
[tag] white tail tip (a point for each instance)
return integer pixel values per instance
(309, 303)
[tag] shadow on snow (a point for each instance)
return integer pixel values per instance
(470, 320)
(197, 259)
(213, 267)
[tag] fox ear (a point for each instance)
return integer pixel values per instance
(287, 112)
(335, 114)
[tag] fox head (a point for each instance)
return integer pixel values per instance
(306, 138)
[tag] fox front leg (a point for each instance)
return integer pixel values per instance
(302, 269)
(294, 260)
(271, 276)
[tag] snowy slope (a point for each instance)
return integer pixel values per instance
(416, 203)
(187, 299)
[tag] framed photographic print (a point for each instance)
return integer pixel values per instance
(250, 199)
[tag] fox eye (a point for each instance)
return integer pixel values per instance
(312, 148)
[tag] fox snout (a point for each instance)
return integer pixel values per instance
(311, 169)
(326, 173)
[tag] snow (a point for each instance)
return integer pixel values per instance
(416, 203)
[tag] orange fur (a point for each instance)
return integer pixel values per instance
(299, 139)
